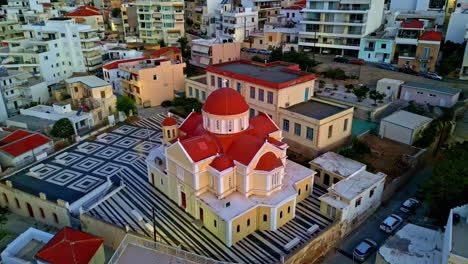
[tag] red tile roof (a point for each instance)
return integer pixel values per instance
(165, 50)
(221, 163)
(84, 11)
(22, 141)
(225, 101)
(412, 24)
(200, 147)
(115, 64)
(431, 36)
(268, 162)
(244, 148)
(169, 121)
(70, 247)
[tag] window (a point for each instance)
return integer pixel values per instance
(103, 94)
(57, 55)
(427, 52)
(432, 95)
(252, 112)
(310, 133)
(76, 89)
(212, 80)
(253, 19)
(307, 187)
(162, 182)
(197, 93)
(261, 42)
(383, 46)
(46, 58)
(299, 192)
(239, 87)
(214, 223)
(155, 77)
(62, 35)
(238, 228)
(248, 222)
(330, 131)
(55, 218)
(42, 212)
(265, 218)
(190, 91)
(345, 126)
(335, 180)
(281, 214)
(260, 95)
(180, 173)
(220, 82)
(203, 95)
(270, 38)
(17, 203)
(252, 92)
(358, 202)
(297, 129)
(289, 209)
(286, 125)
(270, 97)
(371, 193)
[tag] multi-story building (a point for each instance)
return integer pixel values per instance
(199, 15)
(377, 47)
(10, 30)
(416, 48)
(211, 51)
(129, 20)
(464, 66)
(121, 53)
(92, 54)
(266, 9)
(18, 89)
(111, 74)
(227, 170)
(160, 20)
(285, 37)
(20, 11)
(283, 92)
(88, 15)
(51, 49)
(150, 82)
(236, 22)
(338, 26)
(293, 12)
(93, 95)
(457, 26)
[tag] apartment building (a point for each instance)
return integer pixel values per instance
(338, 26)
(150, 82)
(89, 15)
(285, 37)
(51, 49)
(236, 22)
(19, 89)
(129, 20)
(200, 14)
(458, 23)
(10, 30)
(416, 48)
(464, 66)
(111, 74)
(93, 95)
(266, 9)
(377, 47)
(160, 20)
(22, 10)
(92, 54)
(205, 52)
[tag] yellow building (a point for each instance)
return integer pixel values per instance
(229, 170)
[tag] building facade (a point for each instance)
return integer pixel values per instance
(111, 74)
(377, 47)
(229, 170)
(213, 51)
(236, 22)
(403, 126)
(422, 93)
(339, 26)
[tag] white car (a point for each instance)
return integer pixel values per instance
(433, 76)
(409, 206)
(391, 223)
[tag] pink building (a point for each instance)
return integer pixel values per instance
(206, 52)
(422, 93)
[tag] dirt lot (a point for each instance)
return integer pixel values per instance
(386, 155)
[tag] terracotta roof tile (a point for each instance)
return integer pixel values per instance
(431, 36)
(268, 162)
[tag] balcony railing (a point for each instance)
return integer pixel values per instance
(369, 48)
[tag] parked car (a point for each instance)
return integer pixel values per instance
(391, 223)
(357, 61)
(326, 51)
(252, 50)
(407, 71)
(410, 205)
(364, 249)
(244, 49)
(433, 75)
(341, 59)
(386, 66)
(264, 51)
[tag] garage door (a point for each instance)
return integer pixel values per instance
(397, 133)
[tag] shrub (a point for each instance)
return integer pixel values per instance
(335, 74)
(126, 104)
(63, 128)
(257, 59)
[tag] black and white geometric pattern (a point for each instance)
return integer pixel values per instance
(109, 138)
(46, 170)
(143, 133)
(107, 169)
(86, 184)
(89, 147)
(128, 157)
(68, 158)
(127, 142)
(125, 129)
(87, 164)
(108, 152)
(64, 177)
(146, 146)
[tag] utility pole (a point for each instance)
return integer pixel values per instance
(154, 224)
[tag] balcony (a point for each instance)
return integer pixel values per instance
(369, 49)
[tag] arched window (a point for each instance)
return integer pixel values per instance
(238, 228)
(281, 214)
(265, 218)
(299, 192)
(229, 125)
(217, 124)
(5, 198)
(307, 187)
(56, 220)
(289, 209)
(168, 133)
(248, 222)
(42, 212)
(17, 203)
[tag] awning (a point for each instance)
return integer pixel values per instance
(201, 49)
(205, 61)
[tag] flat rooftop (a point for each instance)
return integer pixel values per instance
(413, 244)
(316, 109)
(91, 81)
(460, 238)
(353, 186)
(432, 88)
(32, 122)
(338, 164)
(28, 252)
(407, 119)
(275, 75)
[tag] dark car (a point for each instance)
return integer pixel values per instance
(385, 66)
(252, 50)
(391, 223)
(364, 250)
(244, 49)
(409, 206)
(341, 59)
(357, 61)
(408, 71)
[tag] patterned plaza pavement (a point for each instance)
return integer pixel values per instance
(127, 147)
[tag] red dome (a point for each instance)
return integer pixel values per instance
(169, 121)
(221, 163)
(268, 162)
(225, 101)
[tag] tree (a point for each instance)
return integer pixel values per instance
(115, 12)
(376, 96)
(126, 104)
(185, 48)
(63, 128)
(361, 92)
(321, 84)
(447, 186)
(300, 58)
(162, 43)
(257, 59)
(349, 88)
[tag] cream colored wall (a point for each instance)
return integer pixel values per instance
(196, 86)
(99, 257)
(261, 211)
(305, 122)
(319, 177)
(258, 183)
(295, 94)
(306, 187)
(36, 203)
(208, 222)
(280, 221)
(245, 230)
(273, 39)
(453, 259)
(111, 234)
(258, 42)
(225, 52)
(338, 134)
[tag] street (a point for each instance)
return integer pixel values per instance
(370, 228)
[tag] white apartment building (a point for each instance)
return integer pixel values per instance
(464, 67)
(92, 53)
(266, 9)
(10, 30)
(338, 26)
(457, 26)
(18, 89)
(54, 49)
(160, 20)
(236, 23)
(18, 10)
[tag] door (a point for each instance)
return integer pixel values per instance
(326, 180)
(30, 210)
(423, 67)
(183, 202)
(306, 94)
(201, 214)
(407, 96)
(442, 102)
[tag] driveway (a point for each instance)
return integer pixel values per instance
(370, 228)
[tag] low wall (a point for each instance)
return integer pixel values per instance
(112, 234)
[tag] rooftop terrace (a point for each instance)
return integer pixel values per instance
(316, 109)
